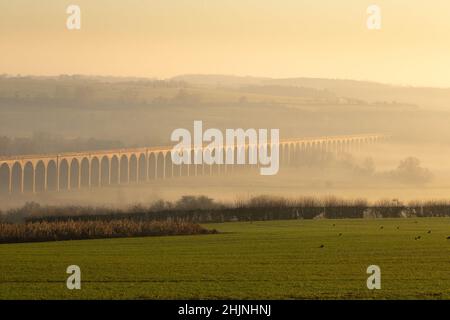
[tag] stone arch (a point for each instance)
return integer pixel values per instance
(16, 177)
(197, 169)
(297, 154)
(192, 166)
(241, 155)
(104, 171)
(152, 166)
(344, 145)
(28, 177)
(5, 173)
(281, 149)
(308, 154)
(286, 153)
(229, 153)
(264, 149)
(124, 178)
(350, 143)
(184, 167)
(253, 155)
(315, 150)
(114, 163)
(95, 172)
(206, 168)
(235, 167)
(40, 177)
(332, 146)
(291, 154)
(176, 169)
(133, 168)
(85, 174)
(52, 176)
(168, 172)
(142, 168)
(215, 168)
(160, 169)
(356, 144)
(74, 174)
(247, 155)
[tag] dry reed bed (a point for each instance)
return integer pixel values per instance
(77, 230)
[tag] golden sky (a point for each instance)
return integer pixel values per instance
(275, 38)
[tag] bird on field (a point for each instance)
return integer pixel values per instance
(321, 246)
(334, 225)
(429, 231)
(398, 228)
(381, 227)
(417, 238)
(340, 234)
(448, 238)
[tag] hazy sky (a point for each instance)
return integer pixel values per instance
(276, 38)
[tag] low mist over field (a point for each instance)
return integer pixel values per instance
(42, 115)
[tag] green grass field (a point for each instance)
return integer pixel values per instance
(259, 260)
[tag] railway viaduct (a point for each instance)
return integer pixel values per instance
(71, 171)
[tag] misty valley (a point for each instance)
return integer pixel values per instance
(200, 154)
(119, 114)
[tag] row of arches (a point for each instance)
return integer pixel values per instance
(295, 153)
(77, 172)
(72, 173)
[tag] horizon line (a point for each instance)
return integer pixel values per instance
(156, 78)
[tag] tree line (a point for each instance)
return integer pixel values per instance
(41, 143)
(201, 209)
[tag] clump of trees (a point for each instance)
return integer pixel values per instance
(409, 171)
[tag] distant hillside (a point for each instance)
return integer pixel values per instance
(220, 80)
(144, 111)
(372, 92)
(290, 91)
